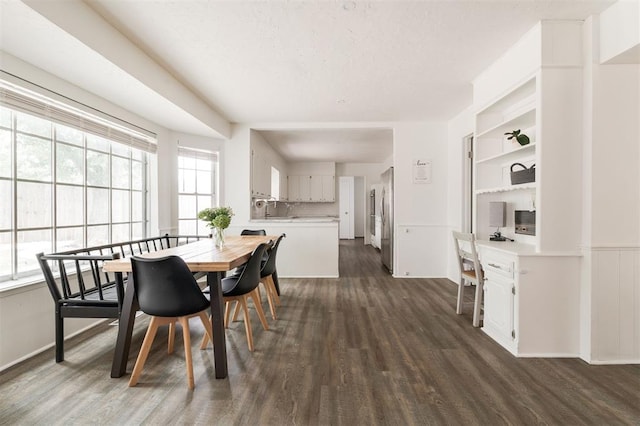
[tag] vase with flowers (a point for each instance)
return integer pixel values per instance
(218, 219)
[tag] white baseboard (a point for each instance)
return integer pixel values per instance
(50, 345)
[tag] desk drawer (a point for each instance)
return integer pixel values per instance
(499, 265)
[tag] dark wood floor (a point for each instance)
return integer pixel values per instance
(364, 349)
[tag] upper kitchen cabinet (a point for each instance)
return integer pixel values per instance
(323, 188)
(260, 176)
(299, 188)
(312, 188)
(312, 182)
(268, 170)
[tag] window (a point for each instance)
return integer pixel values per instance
(197, 189)
(275, 183)
(63, 188)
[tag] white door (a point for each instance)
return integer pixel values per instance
(346, 203)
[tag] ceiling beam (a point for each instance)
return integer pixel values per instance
(80, 21)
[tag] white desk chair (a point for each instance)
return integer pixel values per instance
(465, 245)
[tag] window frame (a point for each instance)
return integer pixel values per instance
(137, 226)
(195, 155)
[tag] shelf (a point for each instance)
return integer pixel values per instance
(505, 156)
(508, 188)
(524, 119)
(518, 96)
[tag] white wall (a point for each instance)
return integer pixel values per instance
(237, 173)
(619, 39)
(27, 323)
(420, 210)
(370, 171)
(169, 176)
(610, 287)
(459, 127)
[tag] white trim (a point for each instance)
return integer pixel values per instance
(608, 247)
(614, 362)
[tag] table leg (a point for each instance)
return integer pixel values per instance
(217, 324)
(125, 329)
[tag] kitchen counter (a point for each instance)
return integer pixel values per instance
(310, 248)
(296, 219)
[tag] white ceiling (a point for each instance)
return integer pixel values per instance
(290, 62)
(338, 145)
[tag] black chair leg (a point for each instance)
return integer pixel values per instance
(59, 338)
(275, 281)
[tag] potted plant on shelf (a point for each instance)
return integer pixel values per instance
(520, 137)
(218, 219)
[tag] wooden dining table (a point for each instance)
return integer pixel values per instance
(200, 256)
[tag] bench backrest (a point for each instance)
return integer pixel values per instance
(79, 276)
(80, 270)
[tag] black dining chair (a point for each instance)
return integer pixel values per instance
(266, 276)
(262, 232)
(168, 292)
(239, 288)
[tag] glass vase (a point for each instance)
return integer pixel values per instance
(218, 235)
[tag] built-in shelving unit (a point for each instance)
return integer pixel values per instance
(543, 106)
(509, 155)
(531, 186)
(530, 290)
(517, 109)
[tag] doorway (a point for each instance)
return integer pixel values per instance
(467, 192)
(347, 207)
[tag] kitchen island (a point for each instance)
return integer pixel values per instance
(310, 248)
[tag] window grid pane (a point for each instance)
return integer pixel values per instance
(6, 254)
(69, 164)
(69, 205)
(34, 205)
(34, 158)
(5, 153)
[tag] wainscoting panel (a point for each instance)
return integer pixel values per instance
(615, 302)
(421, 250)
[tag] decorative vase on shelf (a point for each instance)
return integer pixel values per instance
(218, 234)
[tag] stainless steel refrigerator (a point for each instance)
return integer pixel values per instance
(386, 213)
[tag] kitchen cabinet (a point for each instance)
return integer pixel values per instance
(530, 299)
(299, 188)
(323, 188)
(293, 188)
(499, 298)
(311, 188)
(260, 177)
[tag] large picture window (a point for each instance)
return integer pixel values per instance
(63, 188)
(197, 189)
